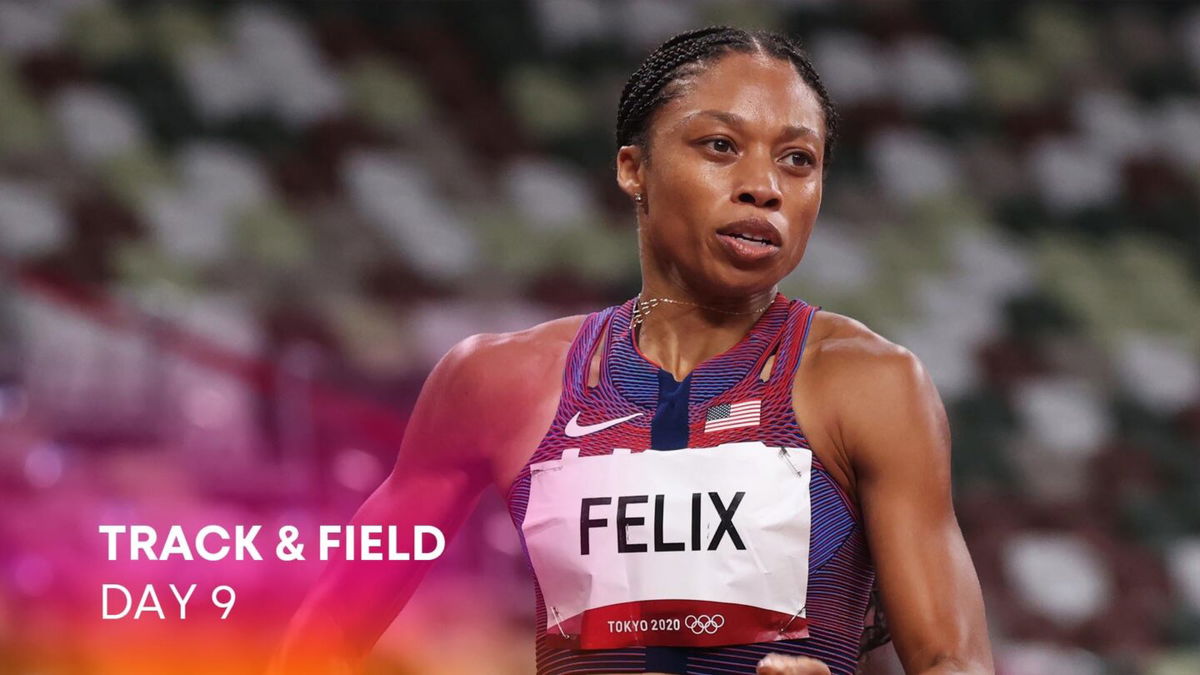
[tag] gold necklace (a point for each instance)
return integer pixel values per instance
(641, 308)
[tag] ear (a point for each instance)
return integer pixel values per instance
(631, 170)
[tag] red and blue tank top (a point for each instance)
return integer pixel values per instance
(686, 527)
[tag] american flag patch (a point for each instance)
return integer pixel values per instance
(727, 416)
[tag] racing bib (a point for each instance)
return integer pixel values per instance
(697, 547)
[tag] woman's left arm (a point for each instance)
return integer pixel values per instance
(893, 429)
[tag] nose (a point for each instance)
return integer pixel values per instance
(758, 184)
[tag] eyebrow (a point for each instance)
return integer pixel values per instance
(790, 132)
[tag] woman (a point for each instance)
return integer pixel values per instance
(811, 456)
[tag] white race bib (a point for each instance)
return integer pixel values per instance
(694, 547)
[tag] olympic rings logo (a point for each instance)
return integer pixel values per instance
(703, 623)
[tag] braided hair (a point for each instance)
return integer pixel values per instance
(655, 82)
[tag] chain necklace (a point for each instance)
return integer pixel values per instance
(641, 308)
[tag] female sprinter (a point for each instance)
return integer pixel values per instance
(708, 478)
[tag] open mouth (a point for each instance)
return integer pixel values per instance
(753, 232)
(762, 241)
(750, 242)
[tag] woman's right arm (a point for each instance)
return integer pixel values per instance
(441, 470)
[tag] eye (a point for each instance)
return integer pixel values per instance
(799, 158)
(720, 145)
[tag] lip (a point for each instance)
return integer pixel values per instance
(736, 238)
(758, 228)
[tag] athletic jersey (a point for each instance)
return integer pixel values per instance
(641, 516)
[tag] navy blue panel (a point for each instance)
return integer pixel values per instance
(667, 660)
(669, 429)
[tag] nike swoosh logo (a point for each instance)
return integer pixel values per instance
(575, 429)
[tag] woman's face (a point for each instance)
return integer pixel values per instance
(732, 183)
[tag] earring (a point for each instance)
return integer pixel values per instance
(639, 198)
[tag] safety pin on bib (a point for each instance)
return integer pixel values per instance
(788, 458)
(798, 613)
(558, 621)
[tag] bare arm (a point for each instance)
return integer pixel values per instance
(885, 437)
(894, 426)
(440, 473)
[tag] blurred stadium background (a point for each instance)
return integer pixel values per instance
(235, 236)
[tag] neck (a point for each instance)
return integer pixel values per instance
(679, 337)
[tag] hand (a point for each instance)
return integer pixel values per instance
(778, 664)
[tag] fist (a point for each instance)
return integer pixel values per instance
(778, 664)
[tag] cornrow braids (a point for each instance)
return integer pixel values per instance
(653, 84)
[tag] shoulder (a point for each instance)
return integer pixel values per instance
(872, 386)
(487, 389)
(483, 350)
(849, 350)
(485, 359)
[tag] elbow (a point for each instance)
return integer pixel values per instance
(315, 644)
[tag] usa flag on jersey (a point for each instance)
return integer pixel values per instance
(732, 416)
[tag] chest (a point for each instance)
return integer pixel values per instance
(603, 427)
